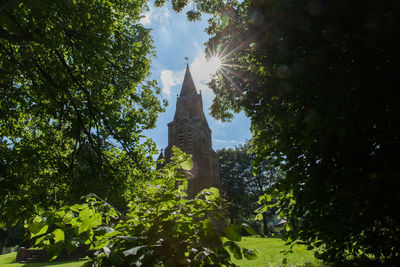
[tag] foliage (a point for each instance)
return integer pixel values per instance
(73, 102)
(242, 184)
(162, 226)
(198, 7)
(318, 80)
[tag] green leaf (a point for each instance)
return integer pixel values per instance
(183, 186)
(129, 239)
(261, 199)
(40, 239)
(212, 193)
(53, 251)
(103, 230)
(187, 165)
(249, 254)
(59, 214)
(38, 227)
(100, 243)
(259, 217)
(133, 251)
(89, 219)
(249, 229)
(58, 235)
(232, 232)
(235, 249)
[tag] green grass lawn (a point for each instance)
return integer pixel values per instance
(268, 255)
(7, 260)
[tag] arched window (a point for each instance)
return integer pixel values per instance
(189, 137)
(181, 138)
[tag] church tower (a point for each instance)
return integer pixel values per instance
(190, 132)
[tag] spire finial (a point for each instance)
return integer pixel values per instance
(187, 62)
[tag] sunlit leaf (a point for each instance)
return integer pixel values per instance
(232, 232)
(187, 164)
(58, 235)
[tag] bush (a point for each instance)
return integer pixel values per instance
(162, 226)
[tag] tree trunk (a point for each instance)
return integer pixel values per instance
(4, 237)
(231, 214)
(265, 225)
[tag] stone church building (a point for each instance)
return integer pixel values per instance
(190, 132)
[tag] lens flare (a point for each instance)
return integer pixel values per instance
(214, 64)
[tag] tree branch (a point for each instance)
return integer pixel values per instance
(91, 107)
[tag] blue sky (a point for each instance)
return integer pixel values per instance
(175, 38)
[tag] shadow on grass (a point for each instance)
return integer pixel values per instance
(8, 260)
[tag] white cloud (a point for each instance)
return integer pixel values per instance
(146, 19)
(170, 79)
(199, 68)
(228, 142)
(163, 14)
(202, 72)
(156, 16)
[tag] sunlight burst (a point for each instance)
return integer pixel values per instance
(214, 64)
(204, 69)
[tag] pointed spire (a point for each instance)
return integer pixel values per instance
(189, 104)
(188, 88)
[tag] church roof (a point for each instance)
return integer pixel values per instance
(188, 87)
(189, 104)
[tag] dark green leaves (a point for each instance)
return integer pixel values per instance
(249, 229)
(161, 226)
(234, 248)
(38, 227)
(133, 251)
(233, 232)
(249, 254)
(313, 93)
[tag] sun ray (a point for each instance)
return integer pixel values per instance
(219, 59)
(214, 64)
(232, 83)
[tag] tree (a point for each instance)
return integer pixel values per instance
(318, 80)
(74, 100)
(242, 185)
(235, 169)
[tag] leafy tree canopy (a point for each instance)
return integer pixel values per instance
(74, 101)
(319, 81)
(242, 184)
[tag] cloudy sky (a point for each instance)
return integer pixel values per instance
(175, 38)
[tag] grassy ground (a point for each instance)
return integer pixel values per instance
(268, 255)
(7, 260)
